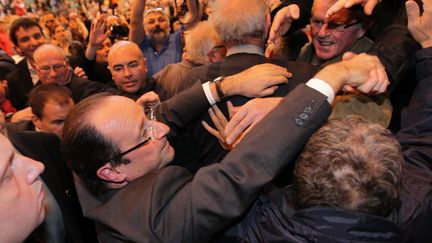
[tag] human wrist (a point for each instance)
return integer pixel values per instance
(334, 75)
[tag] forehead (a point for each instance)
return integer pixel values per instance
(117, 117)
(49, 56)
(154, 15)
(125, 53)
(21, 32)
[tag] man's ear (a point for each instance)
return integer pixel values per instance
(211, 56)
(36, 122)
(109, 173)
(19, 51)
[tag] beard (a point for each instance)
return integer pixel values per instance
(158, 35)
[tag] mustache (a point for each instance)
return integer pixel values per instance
(158, 29)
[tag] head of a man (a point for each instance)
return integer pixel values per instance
(50, 104)
(107, 142)
(350, 164)
(236, 21)
(52, 64)
(27, 36)
(334, 36)
(21, 195)
(127, 65)
(203, 44)
(156, 25)
(61, 34)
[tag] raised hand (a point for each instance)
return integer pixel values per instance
(420, 26)
(368, 6)
(282, 21)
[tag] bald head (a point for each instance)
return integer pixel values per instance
(52, 64)
(48, 50)
(119, 48)
(128, 66)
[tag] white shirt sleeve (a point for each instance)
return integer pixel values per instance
(322, 87)
(208, 94)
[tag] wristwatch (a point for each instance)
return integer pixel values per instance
(217, 81)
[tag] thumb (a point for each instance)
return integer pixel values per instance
(413, 12)
(348, 55)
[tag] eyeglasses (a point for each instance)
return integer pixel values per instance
(338, 26)
(139, 145)
(56, 68)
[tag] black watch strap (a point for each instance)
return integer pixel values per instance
(217, 81)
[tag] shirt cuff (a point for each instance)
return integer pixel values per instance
(208, 94)
(322, 87)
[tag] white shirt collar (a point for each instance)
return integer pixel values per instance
(248, 48)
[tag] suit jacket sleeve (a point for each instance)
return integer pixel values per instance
(416, 121)
(222, 192)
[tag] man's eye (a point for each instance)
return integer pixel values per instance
(133, 65)
(37, 36)
(118, 69)
(25, 39)
(334, 25)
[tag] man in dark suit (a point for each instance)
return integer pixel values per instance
(27, 36)
(68, 225)
(120, 159)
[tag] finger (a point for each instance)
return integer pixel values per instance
(268, 91)
(348, 89)
(369, 6)
(231, 109)
(215, 120)
(335, 8)
(348, 55)
(235, 120)
(294, 12)
(211, 130)
(413, 12)
(239, 129)
(220, 116)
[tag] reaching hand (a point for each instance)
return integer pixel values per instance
(80, 72)
(368, 6)
(220, 122)
(367, 74)
(258, 81)
(420, 26)
(148, 99)
(97, 31)
(244, 118)
(282, 21)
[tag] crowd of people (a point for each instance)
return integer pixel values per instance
(216, 121)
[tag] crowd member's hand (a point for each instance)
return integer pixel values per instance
(80, 72)
(149, 99)
(220, 122)
(25, 114)
(368, 6)
(244, 118)
(362, 72)
(282, 21)
(258, 81)
(98, 32)
(420, 26)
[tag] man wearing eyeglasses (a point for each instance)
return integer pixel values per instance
(331, 37)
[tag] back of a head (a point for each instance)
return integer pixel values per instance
(22, 22)
(53, 92)
(84, 147)
(7, 65)
(236, 20)
(350, 164)
(200, 41)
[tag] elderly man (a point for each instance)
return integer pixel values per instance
(153, 35)
(129, 158)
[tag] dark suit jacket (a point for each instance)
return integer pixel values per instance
(170, 205)
(45, 147)
(19, 85)
(208, 147)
